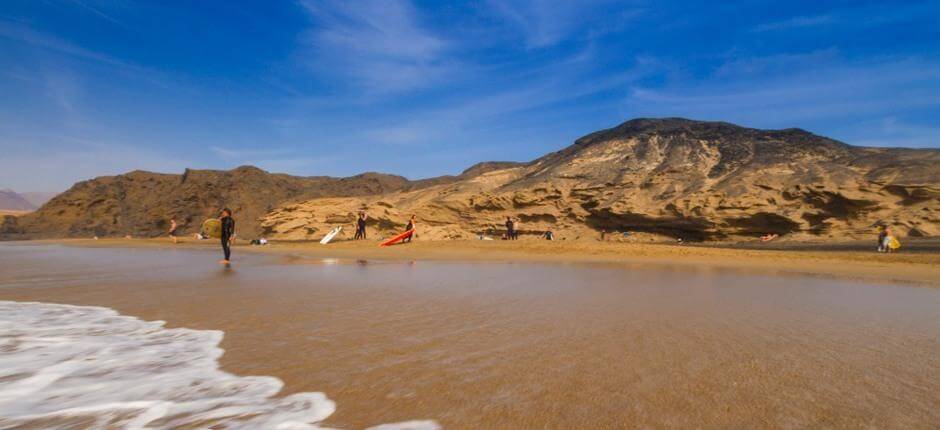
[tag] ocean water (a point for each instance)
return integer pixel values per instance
(352, 344)
(64, 366)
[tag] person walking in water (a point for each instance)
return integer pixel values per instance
(172, 231)
(228, 235)
(412, 225)
(511, 229)
(361, 226)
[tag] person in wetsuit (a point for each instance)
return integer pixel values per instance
(511, 229)
(228, 235)
(361, 226)
(412, 223)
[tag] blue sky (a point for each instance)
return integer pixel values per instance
(424, 88)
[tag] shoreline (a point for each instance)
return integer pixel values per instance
(918, 268)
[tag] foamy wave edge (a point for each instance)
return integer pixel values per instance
(64, 365)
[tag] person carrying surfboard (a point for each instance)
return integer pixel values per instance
(412, 224)
(883, 238)
(228, 235)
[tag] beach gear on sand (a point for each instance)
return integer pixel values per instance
(212, 228)
(329, 236)
(398, 238)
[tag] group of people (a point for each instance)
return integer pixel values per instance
(886, 242)
(226, 234)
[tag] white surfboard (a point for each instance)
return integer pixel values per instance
(329, 236)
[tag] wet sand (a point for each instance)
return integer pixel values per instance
(847, 260)
(526, 342)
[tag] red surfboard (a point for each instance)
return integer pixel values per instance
(397, 239)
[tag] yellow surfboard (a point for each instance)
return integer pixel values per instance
(893, 243)
(212, 227)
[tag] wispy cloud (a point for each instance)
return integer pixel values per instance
(379, 43)
(52, 44)
(815, 88)
(544, 23)
(796, 22)
(241, 153)
(22, 33)
(98, 12)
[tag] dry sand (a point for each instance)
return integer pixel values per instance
(917, 263)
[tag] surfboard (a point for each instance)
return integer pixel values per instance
(329, 236)
(397, 239)
(212, 227)
(893, 243)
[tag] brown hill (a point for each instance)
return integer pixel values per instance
(665, 178)
(141, 203)
(12, 201)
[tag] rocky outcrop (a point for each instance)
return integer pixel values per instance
(142, 203)
(667, 178)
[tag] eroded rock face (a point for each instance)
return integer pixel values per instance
(141, 204)
(673, 178)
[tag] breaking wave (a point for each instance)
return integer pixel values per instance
(89, 367)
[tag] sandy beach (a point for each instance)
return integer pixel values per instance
(533, 334)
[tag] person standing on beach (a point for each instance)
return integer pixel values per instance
(228, 235)
(361, 226)
(883, 239)
(511, 229)
(173, 227)
(412, 225)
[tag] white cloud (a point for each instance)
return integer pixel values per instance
(796, 22)
(809, 91)
(379, 43)
(544, 23)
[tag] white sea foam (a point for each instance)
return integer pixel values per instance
(88, 367)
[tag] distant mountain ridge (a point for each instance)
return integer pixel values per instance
(671, 178)
(12, 201)
(662, 178)
(142, 203)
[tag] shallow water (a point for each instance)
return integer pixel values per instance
(490, 345)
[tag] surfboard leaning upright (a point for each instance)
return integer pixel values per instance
(329, 236)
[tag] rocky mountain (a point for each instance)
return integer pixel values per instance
(13, 201)
(142, 203)
(663, 178)
(38, 198)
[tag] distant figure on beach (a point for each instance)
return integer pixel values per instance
(361, 226)
(549, 235)
(886, 241)
(883, 238)
(511, 229)
(228, 235)
(172, 231)
(603, 235)
(412, 225)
